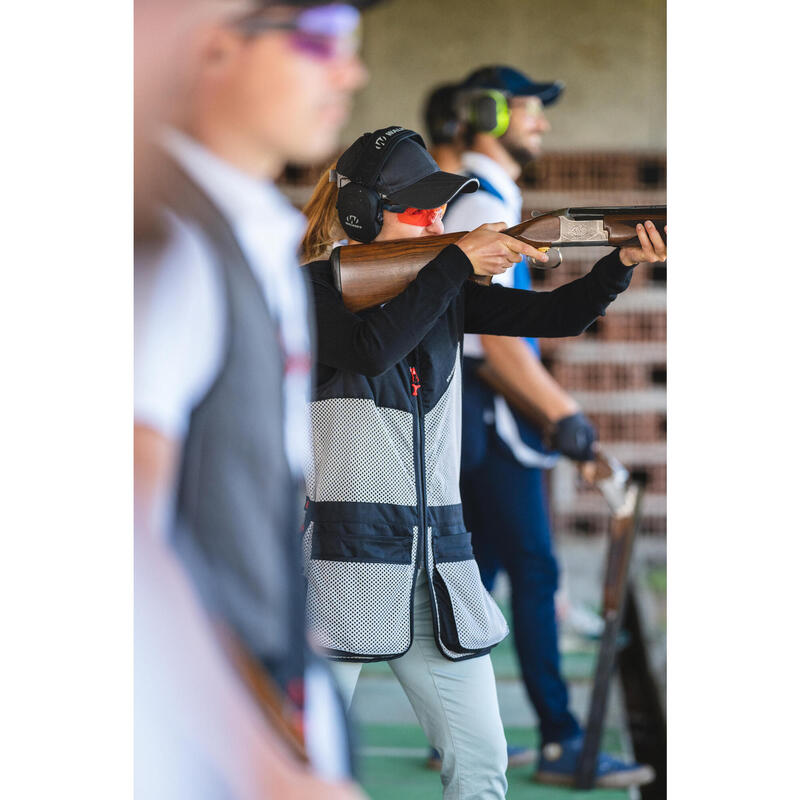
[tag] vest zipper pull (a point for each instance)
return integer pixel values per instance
(415, 384)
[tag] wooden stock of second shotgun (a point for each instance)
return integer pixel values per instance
(370, 274)
(265, 693)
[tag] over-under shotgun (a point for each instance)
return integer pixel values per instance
(370, 274)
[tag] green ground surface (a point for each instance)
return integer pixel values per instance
(576, 665)
(656, 578)
(391, 757)
(391, 767)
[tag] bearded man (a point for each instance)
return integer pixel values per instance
(503, 458)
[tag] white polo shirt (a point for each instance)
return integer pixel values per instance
(472, 210)
(469, 212)
(179, 338)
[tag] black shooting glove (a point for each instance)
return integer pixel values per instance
(574, 437)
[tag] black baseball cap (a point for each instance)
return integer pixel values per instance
(514, 83)
(409, 177)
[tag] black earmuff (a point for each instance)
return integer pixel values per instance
(443, 124)
(446, 129)
(360, 212)
(359, 205)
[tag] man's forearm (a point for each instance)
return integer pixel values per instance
(518, 365)
(176, 647)
(208, 705)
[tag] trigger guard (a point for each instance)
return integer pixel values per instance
(553, 260)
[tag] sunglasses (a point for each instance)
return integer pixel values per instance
(532, 106)
(421, 217)
(323, 32)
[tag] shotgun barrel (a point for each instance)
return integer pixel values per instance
(370, 274)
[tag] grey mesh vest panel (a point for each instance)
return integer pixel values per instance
(384, 500)
(237, 522)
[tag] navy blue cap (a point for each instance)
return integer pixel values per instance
(514, 83)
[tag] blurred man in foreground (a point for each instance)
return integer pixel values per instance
(501, 116)
(222, 360)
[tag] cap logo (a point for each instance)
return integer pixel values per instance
(352, 221)
(381, 141)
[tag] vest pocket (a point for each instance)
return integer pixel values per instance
(350, 542)
(359, 589)
(453, 546)
(469, 618)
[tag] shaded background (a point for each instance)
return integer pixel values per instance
(610, 53)
(607, 147)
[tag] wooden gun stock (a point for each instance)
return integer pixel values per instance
(266, 694)
(370, 274)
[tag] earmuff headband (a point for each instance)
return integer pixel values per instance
(359, 204)
(378, 148)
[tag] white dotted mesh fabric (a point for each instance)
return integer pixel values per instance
(443, 444)
(361, 453)
(361, 608)
(479, 622)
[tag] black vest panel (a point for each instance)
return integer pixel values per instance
(385, 507)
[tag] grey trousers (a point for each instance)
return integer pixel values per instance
(456, 704)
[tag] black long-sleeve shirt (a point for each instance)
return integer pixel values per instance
(373, 341)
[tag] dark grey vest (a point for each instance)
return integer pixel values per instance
(238, 513)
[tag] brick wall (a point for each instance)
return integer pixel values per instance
(617, 368)
(596, 171)
(573, 172)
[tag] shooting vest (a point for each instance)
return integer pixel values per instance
(237, 517)
(384, 508)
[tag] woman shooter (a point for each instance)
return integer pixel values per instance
(391, 576)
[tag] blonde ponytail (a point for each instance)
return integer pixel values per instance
(324, 229)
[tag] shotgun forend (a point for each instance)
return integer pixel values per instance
(370, 274)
